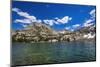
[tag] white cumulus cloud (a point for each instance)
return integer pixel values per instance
(67, 28)
(88, 21)
(64, 20)
(88, 24)
(29, 18)
(76, 25)
(39, 21)
(23, 21)
(15, 9)
(92, 13)
(24, 14)
(91, 20)
(24, 25)
(49, 22)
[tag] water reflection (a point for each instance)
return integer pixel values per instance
(40, 53)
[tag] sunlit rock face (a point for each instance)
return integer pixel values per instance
(39, 32)
(34, 32)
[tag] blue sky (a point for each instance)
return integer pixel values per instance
(57, 16)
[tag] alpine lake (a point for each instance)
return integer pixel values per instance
(51, 53)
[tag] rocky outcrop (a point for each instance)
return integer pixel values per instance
(39, 32)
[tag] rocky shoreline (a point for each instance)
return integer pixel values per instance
(43, 33)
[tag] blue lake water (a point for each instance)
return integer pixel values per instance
(47, 53)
